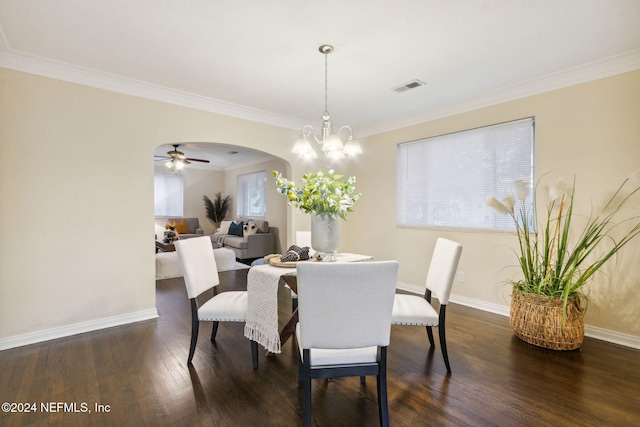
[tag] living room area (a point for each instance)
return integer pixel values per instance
(237, 175)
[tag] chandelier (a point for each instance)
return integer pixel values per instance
(330, 141)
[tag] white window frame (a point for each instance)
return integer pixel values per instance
(443, 181)
(251, 197)
(168, 195)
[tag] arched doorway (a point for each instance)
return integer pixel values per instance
(215, 168)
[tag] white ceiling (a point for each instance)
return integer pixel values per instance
(259, 59)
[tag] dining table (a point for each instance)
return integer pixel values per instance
(262, 301)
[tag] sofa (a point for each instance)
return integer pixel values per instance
(192, 227)
(245, 245)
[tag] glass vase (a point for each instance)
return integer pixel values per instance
(325, 236)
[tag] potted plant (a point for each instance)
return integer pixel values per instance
(559, 257)
(218, 208)
(328, 199)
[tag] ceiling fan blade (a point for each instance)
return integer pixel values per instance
(198, 160)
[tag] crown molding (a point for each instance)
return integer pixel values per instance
(89, 77)
(626, 62)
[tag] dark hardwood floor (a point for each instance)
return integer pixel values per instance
(138, 373)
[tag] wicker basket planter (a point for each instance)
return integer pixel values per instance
(537, 319)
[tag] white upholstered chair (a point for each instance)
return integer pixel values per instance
(345, 324)
(417, 310)
(200, 273)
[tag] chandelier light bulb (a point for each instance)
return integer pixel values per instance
(352, 147)
(302, 146)
(332, 143)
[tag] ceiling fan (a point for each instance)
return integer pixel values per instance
(176, 159)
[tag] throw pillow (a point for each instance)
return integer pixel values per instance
(250, 228)
(181, 227)
(235, 229)
(224, 227)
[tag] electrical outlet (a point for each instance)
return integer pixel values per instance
(461, 276)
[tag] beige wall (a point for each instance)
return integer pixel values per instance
(77, 226)
(591, 131)
(76, 191)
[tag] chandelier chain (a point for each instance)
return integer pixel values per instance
(326, 82)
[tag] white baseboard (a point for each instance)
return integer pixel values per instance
(503, 310)
(414, 289)
(612, 336)
(76, 328)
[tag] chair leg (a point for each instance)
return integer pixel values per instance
(306, 379)
(195, 325)
(443, 340)
(381, 385)
(430, 335)
(214, 331)
(363, 380)
(254, 353)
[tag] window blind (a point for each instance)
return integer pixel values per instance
(444, 181)
(252, 195)
(168, 197)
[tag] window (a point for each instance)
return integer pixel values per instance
(252, 195)
(168, 195)
(444, 181)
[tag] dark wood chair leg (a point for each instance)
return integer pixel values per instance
(430, 335)
(195, 325)
(214, 331)
(254, 353)
(363, 380)
(427, 296)
(306, 389)
(441, 334)
(381, 383)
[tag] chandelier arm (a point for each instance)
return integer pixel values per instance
(309, 132)
(315, 137)
(345, 127)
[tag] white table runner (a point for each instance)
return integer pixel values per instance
(262, 305)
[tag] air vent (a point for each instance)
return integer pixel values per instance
(408, 86)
